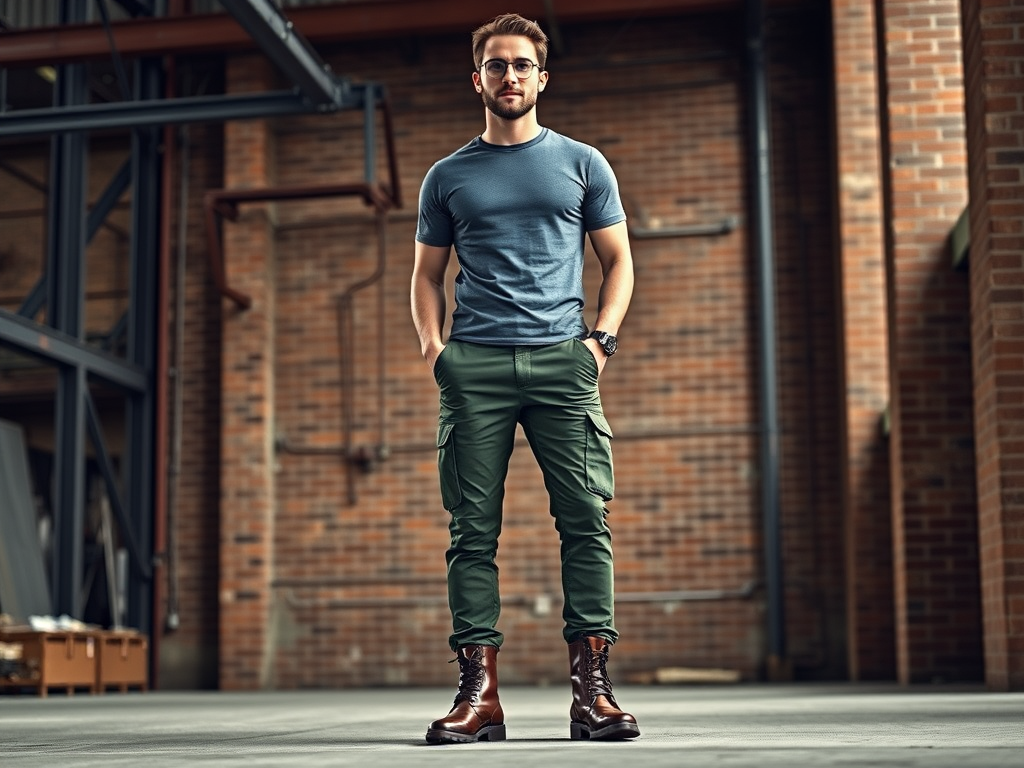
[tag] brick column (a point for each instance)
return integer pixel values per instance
(864, 346)
(993, 51)
(247, 477)
(935, 556)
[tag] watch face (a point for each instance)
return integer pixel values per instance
(608, 342)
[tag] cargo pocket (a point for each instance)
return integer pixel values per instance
(451, 491)
(600, 473)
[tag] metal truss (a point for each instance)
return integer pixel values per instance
(58, 340)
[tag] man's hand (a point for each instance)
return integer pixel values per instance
(431, 355)
(598, 352)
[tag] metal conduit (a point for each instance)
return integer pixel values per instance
(763, 239)
(540, 603)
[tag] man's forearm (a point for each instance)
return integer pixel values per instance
(428, 313)
(614, 296)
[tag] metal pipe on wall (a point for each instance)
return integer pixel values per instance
(763, 238)
(172, 618)
(346, 357)
(541, 603)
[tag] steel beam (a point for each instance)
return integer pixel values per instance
(106, 202)
(65, 298)
(288, 49)
(35, 300)
(68, 499)
(140, 560)
(59, 348)
(137, 463)
(195, 109)
(219, 33)
(136, 7)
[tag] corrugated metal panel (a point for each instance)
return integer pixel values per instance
(24, 589)
(18, 14)
(21, 14)
(24, 14)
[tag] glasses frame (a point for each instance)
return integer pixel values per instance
(535, 65)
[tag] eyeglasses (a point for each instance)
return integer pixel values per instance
(497, 68)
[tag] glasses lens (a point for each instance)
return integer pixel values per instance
(495, 68)
(523, 67)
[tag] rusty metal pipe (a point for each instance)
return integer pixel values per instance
(224, 202)
(219, 33)
(346, 332)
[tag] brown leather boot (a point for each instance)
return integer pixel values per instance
(476, 714)
(594, 713)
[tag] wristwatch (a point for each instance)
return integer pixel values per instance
(608, 342)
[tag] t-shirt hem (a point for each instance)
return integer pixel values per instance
(604, 223)
(432, 244)
(518, 341)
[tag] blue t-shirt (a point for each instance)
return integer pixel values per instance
(518, 217)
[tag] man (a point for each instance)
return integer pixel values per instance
(517, 203)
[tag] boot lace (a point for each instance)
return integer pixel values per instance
(471, 677)
(598, 682)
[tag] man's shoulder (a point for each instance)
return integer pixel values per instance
(563, 143)
(467, 150)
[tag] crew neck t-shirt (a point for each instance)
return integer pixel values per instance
(517, 217)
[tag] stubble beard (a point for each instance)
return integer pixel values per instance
(509, 111)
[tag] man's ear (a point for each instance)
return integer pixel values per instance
(476, 82)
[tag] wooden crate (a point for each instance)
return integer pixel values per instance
(123, 661)
(65, 660)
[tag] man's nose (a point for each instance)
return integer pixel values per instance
(510, 73)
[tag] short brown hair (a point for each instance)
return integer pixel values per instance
(510, 24)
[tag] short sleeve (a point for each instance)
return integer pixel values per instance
(602, 205)
(434, 221)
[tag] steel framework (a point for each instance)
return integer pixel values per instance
(58, 339)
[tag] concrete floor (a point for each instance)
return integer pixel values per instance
(736, 725)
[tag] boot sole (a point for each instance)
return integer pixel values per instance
(487, 733)
(613, 732)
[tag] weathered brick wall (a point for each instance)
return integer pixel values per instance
(865, 386)
(810, 492)
(993, 45)
(248, 357)
(189, 655)
(931, 442)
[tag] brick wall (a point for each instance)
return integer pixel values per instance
(189, 654)
(248, 357)
(931, 447)
(806, 295)
(993, 45)
(863, 348)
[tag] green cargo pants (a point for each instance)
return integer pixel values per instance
(552, 391)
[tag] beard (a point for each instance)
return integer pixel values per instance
(508, 111)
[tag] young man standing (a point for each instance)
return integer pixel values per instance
(517, 204)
